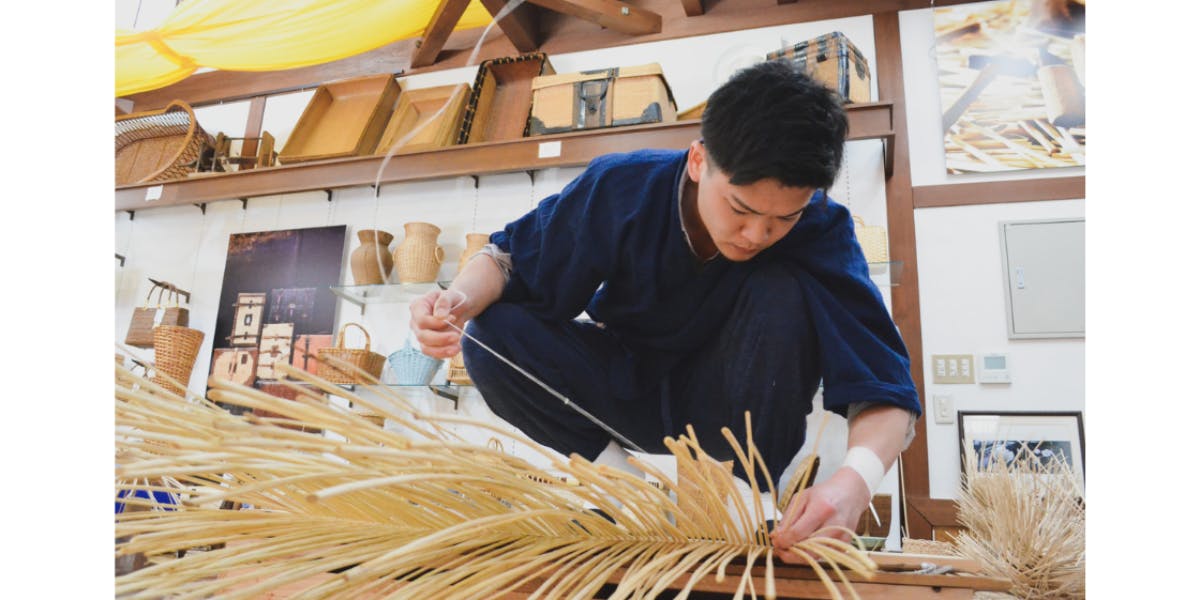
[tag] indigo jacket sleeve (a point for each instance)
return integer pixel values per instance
(562, 250)
(863, 358)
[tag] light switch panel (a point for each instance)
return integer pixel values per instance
(953, 368)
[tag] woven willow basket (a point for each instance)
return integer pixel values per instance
(363, 358)
(175, 351)
(873, 239)
(457, 372)
(419, 256)
(159, 145)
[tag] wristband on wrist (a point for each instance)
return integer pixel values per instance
(866, 463)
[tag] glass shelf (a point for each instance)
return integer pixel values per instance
(385, 293)
(886, 271)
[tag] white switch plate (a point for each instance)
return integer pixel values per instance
(953, 368)
(943, 409)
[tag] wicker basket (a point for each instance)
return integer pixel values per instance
(363, 358)
(418, 257)
(457, 372)
(175, 351)
(159, 145)
(873, 239)
(411, 366)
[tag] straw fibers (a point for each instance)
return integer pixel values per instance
(1025, 522)
(362, 511)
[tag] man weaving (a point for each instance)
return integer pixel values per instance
(719, 279)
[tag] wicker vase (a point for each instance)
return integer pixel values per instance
(371, 262)
(175, 351)
(475, 243)
(418, 257)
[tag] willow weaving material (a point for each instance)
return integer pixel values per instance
(420, 515)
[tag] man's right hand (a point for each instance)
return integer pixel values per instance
(431, 314)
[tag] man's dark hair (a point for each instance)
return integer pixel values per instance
(771, 121)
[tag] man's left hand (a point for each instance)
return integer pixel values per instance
(836, 502)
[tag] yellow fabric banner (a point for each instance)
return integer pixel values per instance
(268, 35)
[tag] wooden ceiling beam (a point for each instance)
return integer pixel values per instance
(445, 17)
(693, 8)
(521, 26)
(610, 14)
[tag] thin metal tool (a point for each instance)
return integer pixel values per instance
(620, 438)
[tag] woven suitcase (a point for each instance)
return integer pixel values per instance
(834, 61)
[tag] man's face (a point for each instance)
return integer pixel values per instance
(743, 220)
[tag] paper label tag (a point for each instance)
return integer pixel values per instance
(153, 193)
(550, 149)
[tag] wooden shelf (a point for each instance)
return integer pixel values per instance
(867, 121)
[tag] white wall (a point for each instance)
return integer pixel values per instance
(962, 281)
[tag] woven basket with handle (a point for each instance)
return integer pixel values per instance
(159, 145)
(363, 358)
(873, 239)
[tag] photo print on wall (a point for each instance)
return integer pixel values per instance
(1011, 80)
(276, 291)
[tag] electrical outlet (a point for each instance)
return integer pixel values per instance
(943, 409)
(953, 368)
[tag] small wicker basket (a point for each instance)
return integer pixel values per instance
(362, 358)
(457, 373)
(411, 367)
(159, 145)
(175, 351)
(873, 239)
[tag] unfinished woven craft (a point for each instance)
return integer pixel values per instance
(159, 145)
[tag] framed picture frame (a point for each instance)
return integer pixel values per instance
(999, 435)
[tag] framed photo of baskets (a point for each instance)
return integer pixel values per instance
(987, 438)
(276, 291)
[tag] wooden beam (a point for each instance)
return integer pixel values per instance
(902, 246)
(560, 36)
(254, 121)
(995, 192)
(444, 18)
(693, 8)
(520, 26)
(610, 14)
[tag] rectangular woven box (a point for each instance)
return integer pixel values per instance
(600, 98)
(834, 61)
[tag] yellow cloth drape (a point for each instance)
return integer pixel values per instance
(268, 35)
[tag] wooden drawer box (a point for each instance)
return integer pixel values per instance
(835, 62)
(603, 98)
(343, 118)
(498, 108)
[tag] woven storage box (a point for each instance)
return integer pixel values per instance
(602, 98)
(498, 108)
(363, 358)
(175, 351)
(835, 62)
(343, 118)
(410, 366)
(159, 145)
(444, 105)
(873, 239)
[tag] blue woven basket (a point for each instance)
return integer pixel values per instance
(411, 367)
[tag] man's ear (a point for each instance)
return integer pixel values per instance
(696, 160)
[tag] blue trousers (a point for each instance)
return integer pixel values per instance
(762, 359)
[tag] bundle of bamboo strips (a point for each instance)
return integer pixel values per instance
(1025, 522)
(363, 511)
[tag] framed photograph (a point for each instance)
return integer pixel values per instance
(993, 436)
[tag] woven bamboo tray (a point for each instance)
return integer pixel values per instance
(343, 118)
(418, 106)
(159, 145)
(498, 108)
